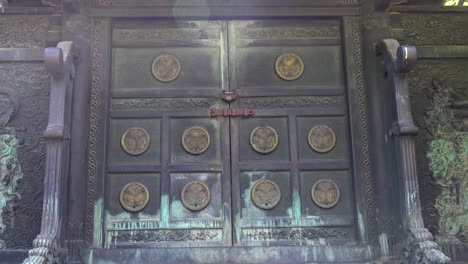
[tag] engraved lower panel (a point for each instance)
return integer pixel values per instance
(275, 234)
(166, 235)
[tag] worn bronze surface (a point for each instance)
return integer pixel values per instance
(166, 68)
(264, 139)
(134, 197)
(289, 66)
(195, 195)
(135, 141)
(266, 194)
(322, 138)
(196, 140)
(325, 193)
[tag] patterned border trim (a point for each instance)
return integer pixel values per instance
(97, 65)
(366, 167)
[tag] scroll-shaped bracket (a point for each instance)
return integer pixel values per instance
(48, 246)
(420, 247)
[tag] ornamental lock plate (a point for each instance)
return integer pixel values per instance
(266, 194)
(322, 138)
(135, 141)
(195, 196)
(325, 193)
(264, 139)
(289, 66)
(134, 197)
(196, 140)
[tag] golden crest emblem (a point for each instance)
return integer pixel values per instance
(166, 68)
(264, 139)
(266, 194)
(135, 141)
(196, 140)
(289, 66)
(195, 196)
(134, 197)
(325, 193)
(322, 138)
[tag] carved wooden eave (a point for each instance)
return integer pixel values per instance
(420, 247)
(60, 63)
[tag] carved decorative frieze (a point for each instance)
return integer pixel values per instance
(158, 236)
(293, 234)
(371, 225)
(293, 101)
(97, 77)
(435, 29)
(23, 31)
(162, 103)
(188, 34)
(319, 31)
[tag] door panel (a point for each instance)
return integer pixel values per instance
(168, 183)
(291, 73)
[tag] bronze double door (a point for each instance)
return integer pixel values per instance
(228, 133)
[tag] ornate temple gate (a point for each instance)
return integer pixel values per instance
(236, 134)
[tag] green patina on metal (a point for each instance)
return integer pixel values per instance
(447, 121)
(10, 174)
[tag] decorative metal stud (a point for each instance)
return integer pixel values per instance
(135, 141)
(266, 194)
(166, 68)
(325, 193)
(264, 139)
(289, 66)
(195, 196)
(196, 140)
(321, 138)
(134, 197)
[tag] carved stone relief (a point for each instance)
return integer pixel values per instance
(23, 31)
(21, 136)
(435, 85)
(435, 29)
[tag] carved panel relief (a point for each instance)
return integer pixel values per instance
(437, 97)
(22, 215)
(23, 31)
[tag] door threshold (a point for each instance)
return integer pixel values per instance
(236, 255)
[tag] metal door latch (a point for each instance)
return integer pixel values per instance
(240, 112)
(229, 96)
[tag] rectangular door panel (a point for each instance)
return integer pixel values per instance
(168, 163)
(290, 162)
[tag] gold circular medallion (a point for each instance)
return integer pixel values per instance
(134, 197)
(321, 138)
(325, 193)
(289, 66)
(266, 194)
(264, 139)
(195, 195)
(196, 140)
(135, 141)
(166, 68)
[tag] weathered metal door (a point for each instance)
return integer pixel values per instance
(228, 133)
